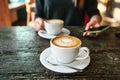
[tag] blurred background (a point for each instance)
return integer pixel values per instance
(21, 12)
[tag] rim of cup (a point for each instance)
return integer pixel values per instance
(62, 21)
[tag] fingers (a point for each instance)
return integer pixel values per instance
(90, 34)
(90, 25)
(39, 24)
(93, 23)
(37, 27)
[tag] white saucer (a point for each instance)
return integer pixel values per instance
(44, 34)
(81, 64)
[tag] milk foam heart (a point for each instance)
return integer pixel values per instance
(66, 41)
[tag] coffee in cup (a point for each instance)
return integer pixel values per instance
(65, 48)
(53, 26)
(66, 41)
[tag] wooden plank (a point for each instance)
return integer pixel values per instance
(13, 15)
(4, 14)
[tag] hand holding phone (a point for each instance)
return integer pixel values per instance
(99, 30)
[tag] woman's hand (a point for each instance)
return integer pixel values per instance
(93, 23)
(39, 24)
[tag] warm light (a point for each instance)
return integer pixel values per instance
(101, 7)
(117, 1)
(116, 13)
(104, 1)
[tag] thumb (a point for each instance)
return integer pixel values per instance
(88, 25)
(97, 25)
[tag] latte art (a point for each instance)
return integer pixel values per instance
(66, 41)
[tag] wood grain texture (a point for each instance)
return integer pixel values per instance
(21, 48)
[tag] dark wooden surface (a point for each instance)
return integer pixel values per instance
(20, 48)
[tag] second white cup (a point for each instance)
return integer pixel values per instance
(53, 26)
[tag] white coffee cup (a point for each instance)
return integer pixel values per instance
(66, 48)
(53, 26)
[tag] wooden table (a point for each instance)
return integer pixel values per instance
(20, 48)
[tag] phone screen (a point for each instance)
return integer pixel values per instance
(99, 30)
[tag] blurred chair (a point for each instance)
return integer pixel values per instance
(30, 9)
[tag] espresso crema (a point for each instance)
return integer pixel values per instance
(66, 41)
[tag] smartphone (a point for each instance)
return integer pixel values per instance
(99, 30)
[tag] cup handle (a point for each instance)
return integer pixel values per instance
(83, 53)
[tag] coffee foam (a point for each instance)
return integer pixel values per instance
(66, 41)
(55, 21)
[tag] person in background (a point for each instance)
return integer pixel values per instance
(71, 11)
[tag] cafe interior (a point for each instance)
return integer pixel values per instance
(25, 53)
(21, 12)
